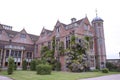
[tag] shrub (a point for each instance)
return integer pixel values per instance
(57, 66)
(95, 70)
(111, 66)
(0, 69)
(33, 65)
(38, 61)
(15, 67)
(10, 65)
(118, 69)
(24, 65)
(105, 70)
(43, 69)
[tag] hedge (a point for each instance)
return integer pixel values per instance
(10, 65)
(105, 70)
(24, 65)
(43, 69)
(33, 65)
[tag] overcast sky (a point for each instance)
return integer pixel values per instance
(34, 14)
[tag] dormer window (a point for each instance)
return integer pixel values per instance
(86, 27)
(99, 24)
(23, 35)
(57, 29)
(75, 24)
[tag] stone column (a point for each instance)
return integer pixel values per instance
(4, 59)
(32, 55)
(21, 59)
(9, 52)
(94, 62)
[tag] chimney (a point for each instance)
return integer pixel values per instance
(73, 20)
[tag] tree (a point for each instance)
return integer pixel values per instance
(10, 65)
(47, 56)
(24, 65)
(33, 65)
(77, 56)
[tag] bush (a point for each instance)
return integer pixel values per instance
(111, 66)
(0, 69)
(15, 67)
(57, 66)
(43, 69)
(95, 70)
(10, 65)
(118, 69)
(43, 61)
(105, 70)
(24, 65)
(33, 65)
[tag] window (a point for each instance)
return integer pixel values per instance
(91, 44)
(23, 36)
(58, 29)
(68, 42)
(29, 55)
(16, 52)
(7, 53)
(75, 24)
(19, 54)
(79, 40)
(49, 45)
(57, 43)
(85, 27)
(99, 24)
(12, 53)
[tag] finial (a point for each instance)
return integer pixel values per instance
(96, 12)
(86, 15)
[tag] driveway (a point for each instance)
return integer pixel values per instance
(4, 78)
(109, 77)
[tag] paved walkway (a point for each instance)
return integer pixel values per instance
(110, 77)
(4, 78)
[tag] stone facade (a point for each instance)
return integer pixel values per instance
(22, 45)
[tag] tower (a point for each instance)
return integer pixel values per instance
(99, 45)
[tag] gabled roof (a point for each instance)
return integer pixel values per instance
(12, 33)
(78, 22)
(46, 31)
(34, 37)
(23, 31)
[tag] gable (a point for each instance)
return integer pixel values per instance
(22, 37)
(4, 36)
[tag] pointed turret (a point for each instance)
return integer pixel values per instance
(100, 50)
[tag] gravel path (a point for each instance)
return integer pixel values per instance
(110, 77)
(4, 78)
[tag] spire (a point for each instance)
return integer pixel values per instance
(86, 15)
(96, 12)
(97, 18)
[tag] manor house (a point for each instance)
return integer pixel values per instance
(22, 45)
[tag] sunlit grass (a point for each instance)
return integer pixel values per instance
(31, 75)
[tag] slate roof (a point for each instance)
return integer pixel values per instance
(13, 33)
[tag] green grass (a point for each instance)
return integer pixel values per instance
(31, 75)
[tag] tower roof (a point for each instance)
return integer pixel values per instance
(97, 19)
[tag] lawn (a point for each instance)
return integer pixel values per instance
(31, 75)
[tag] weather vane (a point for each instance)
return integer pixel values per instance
(96, 12)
